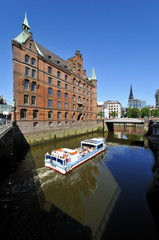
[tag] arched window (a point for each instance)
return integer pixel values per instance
(33, 87)
(35, 114)
(33, 100)
(49, 70)
(58, 93)
(49, 80)
(33, 61)
(66, 105)
(50, 114)
(26, 99)
(26, 85)
(50, 103)
(66, 96)
(59, 104)
(50, 91)
(27, 58)
(74, 98)
(74, 115)
(66, 77)
(33, 73)
(59, 115)
(23, 114)
(35, 125)
(58, 74)
(66, 115)
(27, 71)
(73, 80)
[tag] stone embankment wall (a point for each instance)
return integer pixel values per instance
(37, 138)
(6, 144)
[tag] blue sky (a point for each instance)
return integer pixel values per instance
(119, 38)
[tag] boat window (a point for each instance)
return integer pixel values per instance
(60, 161)
(88, 145)
(100, 146)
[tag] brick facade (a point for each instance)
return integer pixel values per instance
(50, 93)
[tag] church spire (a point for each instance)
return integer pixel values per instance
(25, 25)
(131, 96)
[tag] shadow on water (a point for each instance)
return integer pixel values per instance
(38, 203)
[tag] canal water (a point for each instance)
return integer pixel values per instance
(104, 198)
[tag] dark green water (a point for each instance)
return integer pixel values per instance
(105, 198)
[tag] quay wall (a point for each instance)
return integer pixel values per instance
(35, 138)
(6, 144)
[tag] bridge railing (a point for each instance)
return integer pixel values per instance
(5, 127)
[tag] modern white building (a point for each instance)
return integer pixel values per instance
(110, 107)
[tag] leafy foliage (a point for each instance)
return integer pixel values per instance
(144, 112)
(100, 114)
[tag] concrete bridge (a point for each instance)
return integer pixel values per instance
(126, 122)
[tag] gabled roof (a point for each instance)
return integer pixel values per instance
(51, 56)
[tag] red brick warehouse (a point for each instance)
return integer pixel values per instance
(50, 92)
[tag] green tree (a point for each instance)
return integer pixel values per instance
(145, 112)
(113, 114)
(100, 114)
(136, 113)
(128, 112)
(155, 112)
(133, 112)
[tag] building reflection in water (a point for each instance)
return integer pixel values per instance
(87, 194)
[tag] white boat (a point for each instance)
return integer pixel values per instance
(64, 160)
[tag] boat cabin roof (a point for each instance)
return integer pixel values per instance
(94, 141)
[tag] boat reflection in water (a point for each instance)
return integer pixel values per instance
(87, 194)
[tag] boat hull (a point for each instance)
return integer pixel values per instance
(70, 167)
